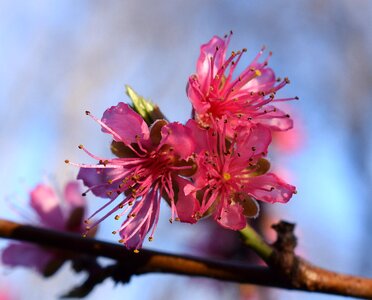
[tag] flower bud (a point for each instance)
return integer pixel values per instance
(148, 110)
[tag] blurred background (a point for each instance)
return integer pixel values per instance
(60, 58)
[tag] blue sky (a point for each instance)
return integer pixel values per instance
(62, 58)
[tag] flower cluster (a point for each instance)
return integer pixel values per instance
(64, 213)
(215, 164)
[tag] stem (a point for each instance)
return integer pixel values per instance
(253, 240)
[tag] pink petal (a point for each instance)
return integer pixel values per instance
(197, 99)
(199, 135)
(97, 180)
(133, 235)
(259, 138)
(180, 138)
(187, 204)
(136, 241)
(263, 83)
(203, 66)
(73, 195)
(5, 293)
(26, 255)
(75, 207)
(275, 119)
(200, 178)
(46, 204)
(291, 140)
(231, 217)
(252, 141)
(126, 123)
(270, 188)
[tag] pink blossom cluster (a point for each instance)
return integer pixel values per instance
(65, 213)
(215, 164)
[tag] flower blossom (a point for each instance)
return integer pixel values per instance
(245, 99)
(5, 293)
(232, 174)
(291, 141)
(64, 214)
(152, 162)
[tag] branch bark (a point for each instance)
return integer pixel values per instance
(294, 275)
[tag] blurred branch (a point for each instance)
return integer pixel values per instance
(286, 269)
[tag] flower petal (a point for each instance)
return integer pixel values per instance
(231, 217)
(73, 195)
(187, 204)
(275, 119)
(263, 83)
(75, 207)
(179, 137)
(137, 228)
(270, 188)
(126, 123)
(203, 65)
(26, 255)
(252, 142)
(98, 180)
(199, 135)
(46, 204)
(197, 98)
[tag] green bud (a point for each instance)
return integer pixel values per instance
(148, 110)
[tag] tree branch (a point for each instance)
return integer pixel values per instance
(296, 275)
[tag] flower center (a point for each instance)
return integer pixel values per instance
(226, 176)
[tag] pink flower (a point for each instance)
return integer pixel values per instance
(246, 99)
(5, 293)
(152, 163)
(232, 174)
(288, 142)
(64, 214)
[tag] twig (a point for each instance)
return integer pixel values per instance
(304, 276)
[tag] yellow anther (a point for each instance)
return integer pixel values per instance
(258, 73)
(226, 176)
(136, 251)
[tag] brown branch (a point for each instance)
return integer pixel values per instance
(305, 276)
(289, 272)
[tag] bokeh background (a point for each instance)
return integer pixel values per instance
(60, 58)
